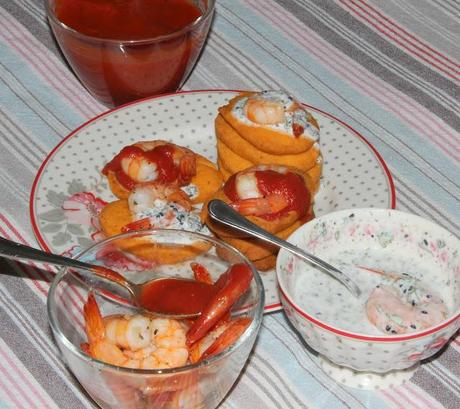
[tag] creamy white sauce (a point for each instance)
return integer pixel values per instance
(299, 116)
(170, 215)
(327, 300)
(191, 190)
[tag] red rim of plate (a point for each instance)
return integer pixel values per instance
(389, 338)
(33, 191)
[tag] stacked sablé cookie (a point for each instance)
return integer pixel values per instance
(271, 137)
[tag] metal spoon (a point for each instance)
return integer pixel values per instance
(96, 276)
(225, 214)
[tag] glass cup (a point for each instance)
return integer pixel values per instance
(201, 385)
(117, 71)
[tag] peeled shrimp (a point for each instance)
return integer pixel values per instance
(260, 206)
(143, 168)
(251, 200)
(230, 286)
(135, 341)
(264, 112)
(277, 108)
(404, 306)
(145, 197)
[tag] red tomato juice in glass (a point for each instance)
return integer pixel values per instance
(123, 50)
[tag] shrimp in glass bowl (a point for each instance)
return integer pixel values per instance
(126, 358)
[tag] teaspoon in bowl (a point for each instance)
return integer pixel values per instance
(109, 281)
(223, 213)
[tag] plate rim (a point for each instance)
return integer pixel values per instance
(37, 178)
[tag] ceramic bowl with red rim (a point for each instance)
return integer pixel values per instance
(414, 260)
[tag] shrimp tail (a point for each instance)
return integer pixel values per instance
(137, 225)
(94, 324)
(187, 167)
(84, 346)
(180, 197)
(230, 287)
(228, 337)
(201, 273)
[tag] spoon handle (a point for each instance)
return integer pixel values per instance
(94, 275)
(225, 214)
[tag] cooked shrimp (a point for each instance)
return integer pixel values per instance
(278, 108)
(231, 285)
(252, 200)
(201, 273)
(221, 337)
(260, 206)
(145, 197)
(135, 341)
(264, 112)
(404, 306)
(158, 161)
(246, 185)
(139, 168)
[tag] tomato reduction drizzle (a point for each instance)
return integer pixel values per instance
(270, 182)
(162, 156)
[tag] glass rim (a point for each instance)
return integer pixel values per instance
(197, 22)
(253, 327)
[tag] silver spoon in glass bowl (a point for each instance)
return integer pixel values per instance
(223, 213)
(114, 284)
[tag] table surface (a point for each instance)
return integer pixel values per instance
(387, 68)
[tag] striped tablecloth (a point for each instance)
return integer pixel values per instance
(388, 68)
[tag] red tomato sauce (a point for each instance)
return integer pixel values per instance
(270, 182)
(162, 156)
(126, 19)
(176, 296)
(289, 185)
(116, 72)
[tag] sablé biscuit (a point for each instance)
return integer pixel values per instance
(263, 255)
(263, 137)
(115, 215)
(230, 160)
(227, 135)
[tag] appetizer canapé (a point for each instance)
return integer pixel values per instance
(158, 184)
(277, 198)
(267, 127)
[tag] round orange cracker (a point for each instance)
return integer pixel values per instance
(313, 175)
(255, 249)
(226, 134)
(208, 179)
(115, 215)
(231, 160)
(223, 170)
(116, 187)
(265, 138)
(266, 263)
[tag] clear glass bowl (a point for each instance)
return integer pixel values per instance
(119, 71)
(203, 384)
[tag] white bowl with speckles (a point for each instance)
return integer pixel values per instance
(391, 240)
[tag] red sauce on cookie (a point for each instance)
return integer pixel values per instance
(290, 185)
(162, 156)
(270, 182)
(230, 188)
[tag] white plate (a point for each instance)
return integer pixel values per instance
(354, 174)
